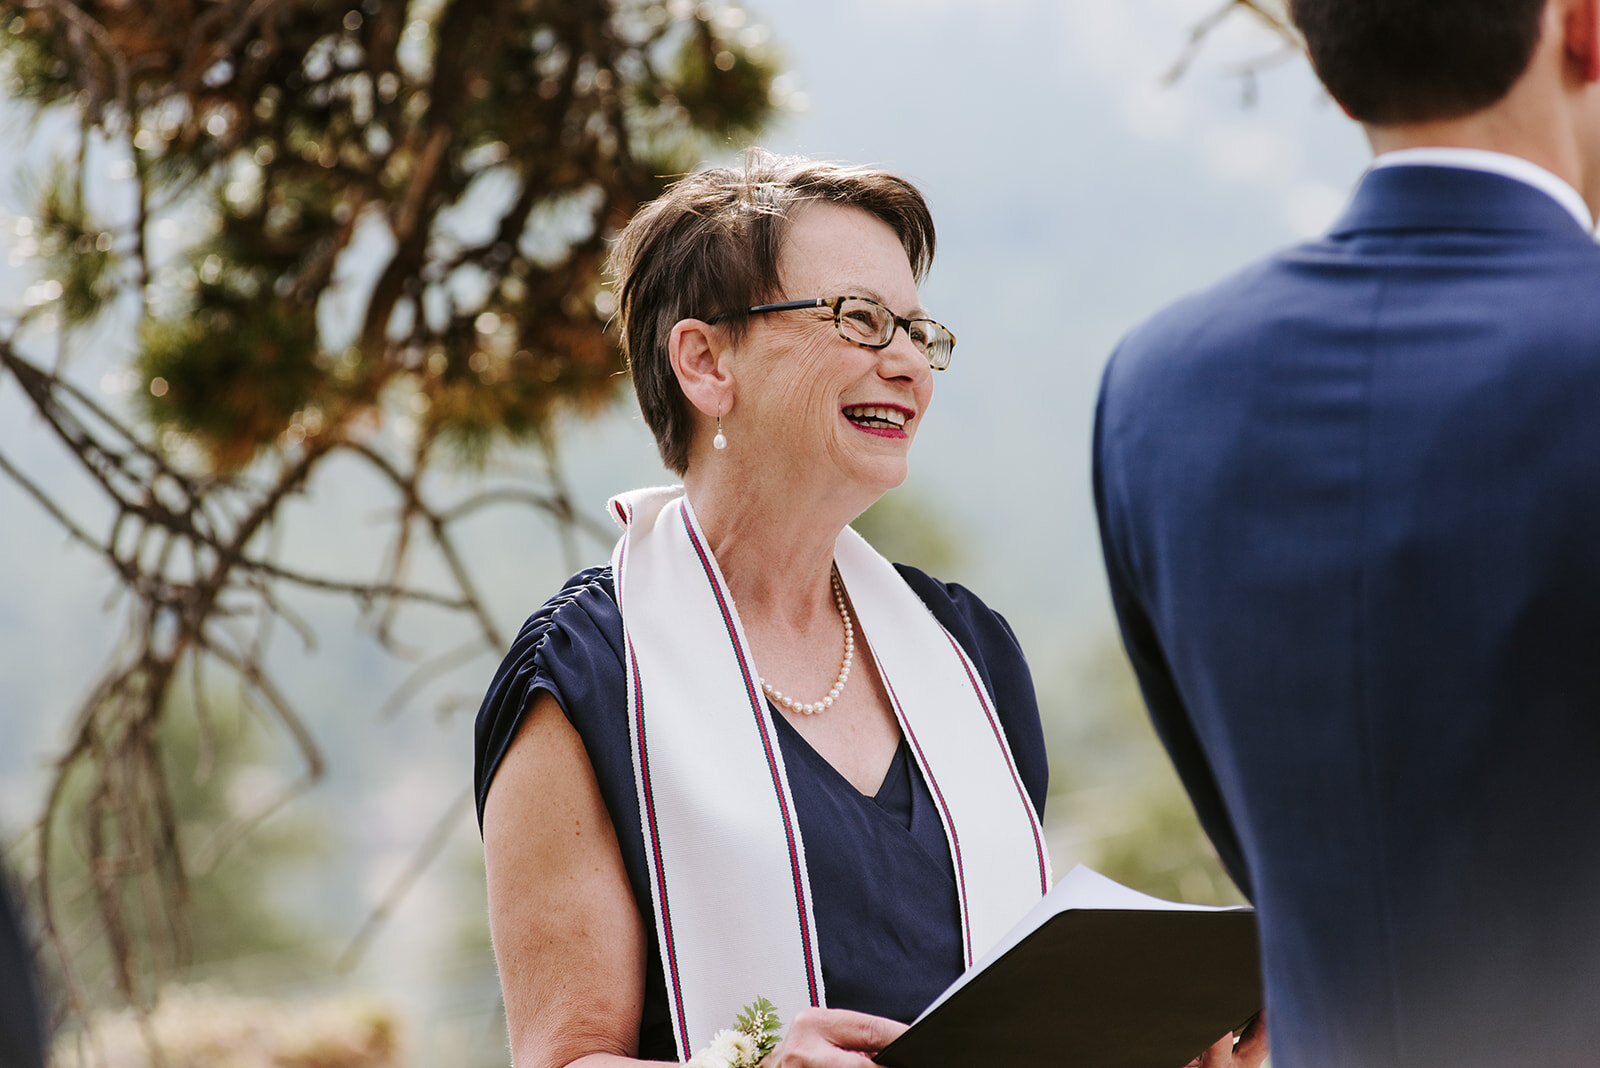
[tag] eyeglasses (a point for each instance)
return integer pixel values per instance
(867, 323)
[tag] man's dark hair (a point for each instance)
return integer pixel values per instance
(1400, 61)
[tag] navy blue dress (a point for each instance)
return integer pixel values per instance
(883, 887)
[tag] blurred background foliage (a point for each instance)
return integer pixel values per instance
(492, 146)
(361, 228)
(199, 1027)
(370, 230)
(230, 883)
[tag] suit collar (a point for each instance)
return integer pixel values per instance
(1478, 159)
(1452, 198)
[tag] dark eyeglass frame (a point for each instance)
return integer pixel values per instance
(836, 305)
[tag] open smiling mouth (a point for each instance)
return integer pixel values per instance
(875, 416)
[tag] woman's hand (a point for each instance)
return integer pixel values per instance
(832, 1038)
(1249, 1052)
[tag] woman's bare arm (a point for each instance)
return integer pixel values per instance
(567, 934)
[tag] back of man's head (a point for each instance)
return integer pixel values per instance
(1389, 62)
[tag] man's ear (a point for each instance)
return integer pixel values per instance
(699, 354)
(1583, 37)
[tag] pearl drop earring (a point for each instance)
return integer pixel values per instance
(720, 441)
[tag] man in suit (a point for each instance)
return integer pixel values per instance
(1350, 507)
(21, 1022)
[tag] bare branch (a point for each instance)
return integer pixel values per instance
(432, 845)
(280, 705)
(43, 499)
(364, 592)
(1267, 12)
(426, 673)
(413, 507)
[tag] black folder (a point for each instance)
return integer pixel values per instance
(1098, 976)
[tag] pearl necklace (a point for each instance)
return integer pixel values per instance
(812, 708)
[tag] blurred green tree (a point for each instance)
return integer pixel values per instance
(369, 229)
(1115, 801)
(203, 1028)
(911, 529)
(220, 771)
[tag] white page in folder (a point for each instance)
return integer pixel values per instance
(1080, 888)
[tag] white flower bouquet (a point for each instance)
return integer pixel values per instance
(754, 1035)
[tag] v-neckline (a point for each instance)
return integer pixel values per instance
(902, 751)
(904, 822)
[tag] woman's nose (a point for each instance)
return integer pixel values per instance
(901, 358)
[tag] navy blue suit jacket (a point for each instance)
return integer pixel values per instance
(1350, 507)
(22, 1030)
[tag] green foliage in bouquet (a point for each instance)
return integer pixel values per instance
(755, 1034)
(760, 1021)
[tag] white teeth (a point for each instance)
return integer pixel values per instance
(875, 414)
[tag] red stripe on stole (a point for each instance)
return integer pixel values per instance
(949, 823)
(668, 939)
(1005, 751)
(757, 709)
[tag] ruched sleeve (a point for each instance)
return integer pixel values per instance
(572, 648)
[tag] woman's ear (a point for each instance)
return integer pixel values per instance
(1583, 38)
(699, 354)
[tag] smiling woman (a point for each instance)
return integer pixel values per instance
(792, 387)
(667, 835)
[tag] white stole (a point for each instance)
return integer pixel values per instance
(727, 865)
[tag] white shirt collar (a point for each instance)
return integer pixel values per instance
(1477, 159)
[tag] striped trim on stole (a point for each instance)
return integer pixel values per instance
(727, 861)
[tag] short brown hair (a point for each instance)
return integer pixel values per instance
(709, 246)
(1402, 61)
